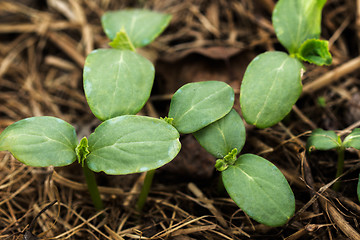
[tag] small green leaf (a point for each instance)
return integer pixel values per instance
(168, 120)
(315, 51)
(296, 21)
(130, 144)
(82, 150)
(117, 82)
(122, 41)
(196, 105)
(141, 25)
(260, 190)
(229, 159)
(220, 165)
(323, 140)
(353, 139)
(271, 86)
(40, 141)
(321, 101)
(222, 136)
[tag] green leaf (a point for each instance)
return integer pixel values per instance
(141, 25)
(315, 51)
(229, 159)
(130, 144)
(323, 140)
(222, 136)
(122, 41)
(321, 101)
(296, 21)
(353, 139)
(40, 141)
(260, 190)
(117, 82)
(196, 105)
(221, 165)
(82, 150)
(271, 86)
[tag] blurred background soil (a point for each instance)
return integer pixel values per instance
(43, 46)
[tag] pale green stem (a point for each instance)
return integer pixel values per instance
(93, 188)
(145, 190)
(340, 167)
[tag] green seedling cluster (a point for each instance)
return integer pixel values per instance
(255, 184)
(118, 82)
(204, 109)
(272, 81)
(327, 140)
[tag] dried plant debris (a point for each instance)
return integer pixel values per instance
(42, 51)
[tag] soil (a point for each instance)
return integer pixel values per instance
(42, 51)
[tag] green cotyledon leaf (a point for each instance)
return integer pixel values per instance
(323, 140)
(141, 25)
(270, 88)
(353, 139)
(40, 141)
(296, 21)
(196, 105)
(222, 136)
(260, 190)
(131, 144)
(117, 82)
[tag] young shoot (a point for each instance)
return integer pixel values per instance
(255, 184)
(327, 140)
(117, 84)
(272, 81)
(205, 110)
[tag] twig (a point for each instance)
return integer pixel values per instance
(308, 178)
(66, 45)
(196, 191)
(332, 76)
(83, 187)
(303, 117)
(304, 231)
(339, 220)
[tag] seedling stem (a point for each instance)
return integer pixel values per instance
(93, 188)
(145, 190)
(340, 166)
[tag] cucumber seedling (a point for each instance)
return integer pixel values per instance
(193, 107)
(117, 84)
(327, 140)
(256, 185)
(272, 81)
